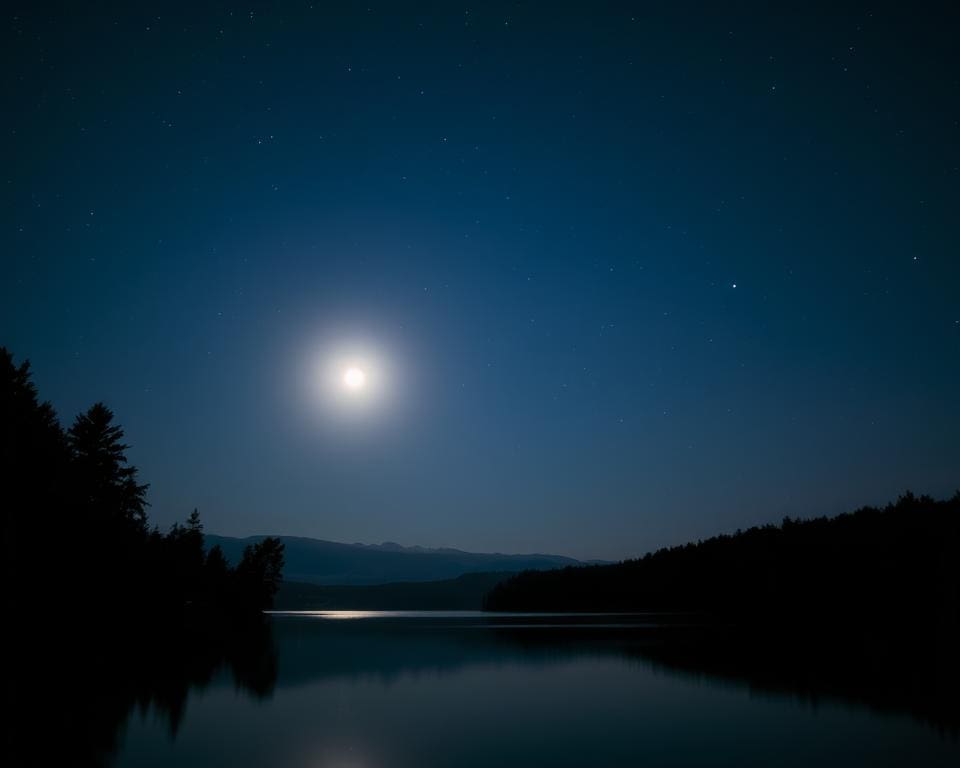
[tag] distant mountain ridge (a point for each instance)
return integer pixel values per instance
(330, 563)
(464, 593)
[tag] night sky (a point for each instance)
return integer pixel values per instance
(620, 275)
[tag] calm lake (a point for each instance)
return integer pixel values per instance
(364, 689)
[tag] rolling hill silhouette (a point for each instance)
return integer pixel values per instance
(315, 561)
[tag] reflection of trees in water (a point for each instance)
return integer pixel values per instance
(862, 668)
(806, 666)
(71, 696)
(72, 701)
(811, 669)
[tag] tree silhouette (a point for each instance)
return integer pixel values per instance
(154, 613)
(259, 572)
(34, 461)
(75, 497)
(847, 570)
(106, 483)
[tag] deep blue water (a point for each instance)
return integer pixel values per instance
(467, 689)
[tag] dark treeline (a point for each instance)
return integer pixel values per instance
(902, 560)
(74, 503)
(104, 614)
(864, 605)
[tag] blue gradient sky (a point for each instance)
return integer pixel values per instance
(639, 273)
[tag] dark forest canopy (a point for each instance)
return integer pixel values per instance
(74, 503)
(900, 560)
(867, 602)
(108, 614)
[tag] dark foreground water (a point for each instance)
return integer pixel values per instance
(367, 690)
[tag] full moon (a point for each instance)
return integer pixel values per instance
(352, 382)
(354, 378)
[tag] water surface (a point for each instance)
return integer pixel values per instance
(364, 689)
